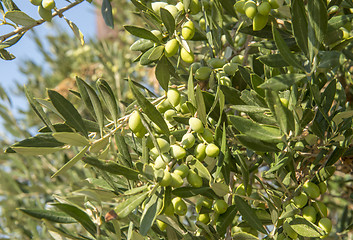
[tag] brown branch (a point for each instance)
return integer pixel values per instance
(38, 22)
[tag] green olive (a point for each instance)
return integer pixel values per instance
(154, 153)
(171, 47)
(230, 68)
(239, 6)
(274, 4)
(161, 161)
(320, 208)
(186, 56)
(177, 181)
(180, 207)
(182, 170)
(48, 4)
(180, 6)
(309, 213)
(156, 6)
(169, 114)
(325, 224)
(323, 187)
(284, 102)
(259, 22)
(200, 151)
(169, 209)
(203, 202)
(196, 125)
(224, 80)
(202, 23)
(264, 8)
(212, 150)
(177, 152)
(216, 63)
(220, 206)
(237, 59)
(166, 180)
(135, 123)
(203, 73)
(301, 200)
(172, 9)
(250, 9)
(173, 96)
(204, 218)
(194, 66)
(188, 140)
(164, 106)
(163, 145)
(195, 7)
(161, 225)
(188, 30)
(45, 13)
(141, 133)
(311, 189)
(194, 179)
(36, 2)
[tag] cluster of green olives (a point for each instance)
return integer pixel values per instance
(222, 69)
(311, 209)
(257, 11)
(45, 8)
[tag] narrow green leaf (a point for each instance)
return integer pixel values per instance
(162, 73)
(125, 208)
(141, 32)
(68, 111)
(11, 41)
(190, 90)
(249, 109)
(123, 148)
(226, 219)
(149, 109)
(283, 81)
(256, 81)
(53, 216)
(232, 95)
(156, 53)
(200, 169)
(20, 18)
(187, 192)
(72, 162)
(71, 138)
(4, 54)
(112, 167)
(255, 144)
(168, 20)
(77, 32)
(324, 174)
(60, 231)
(107, 14)
(150, 212)
(141, 45)
(249, 214)
(79, 215)
(284, 50)
(109, 98)
(338, 21)
(255, 130)
(244, 236)
(306, 228)
(300, 24)
(200, 105)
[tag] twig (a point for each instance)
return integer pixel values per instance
(38, 22)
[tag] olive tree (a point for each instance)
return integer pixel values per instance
(248, 136)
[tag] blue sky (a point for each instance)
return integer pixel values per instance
(82, 15)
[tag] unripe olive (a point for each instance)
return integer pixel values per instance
(166, 180)
(194, 179)
(161, 161)
(284, 102)
(309, 213)
(200, 151)
(177, 152)
(301, 200)
(203, 202)
(264, 8)
(158, 34)
(171, 47)
(230, 68)
(323, 187)
(163, 145)
(204, 218)
(36, 2)
(320, 208)
(224, 80)
(237, 59)
(135, 123)
(216, 63)
(177, 181)
(179, 205)
(207, 135)
(154, 153)
(203, 73)
(212, 150)
(188, 30)
(169, 209)
(239, 6)
(274, 4)
(180, 6)
(194, 66)
(161, 225)
(186, 56)
(289, 230)
(311, 189)
(325, 224)
(169, 114)
(196, 125)
(182, 170)
(250, 9)
(173, 95)
(188, 140)
(194, 7)
(172, 9)
(202, 23)
(156, 6)
(141, 133)
(48, 4)
(220, 206)
(164, 106)
(259, 22)
(45, 13)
